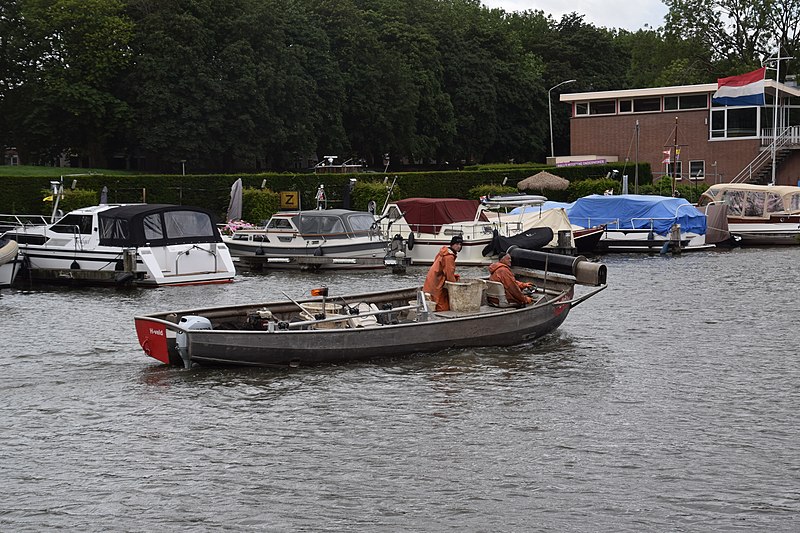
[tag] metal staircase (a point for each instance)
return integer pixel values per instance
(759, 171)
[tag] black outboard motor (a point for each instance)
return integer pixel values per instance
(584, 271)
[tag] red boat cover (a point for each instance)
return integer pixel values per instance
(426, 215)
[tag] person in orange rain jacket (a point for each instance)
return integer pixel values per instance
(501, 272)
(443, 269)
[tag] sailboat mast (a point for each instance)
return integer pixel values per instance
(675, 159)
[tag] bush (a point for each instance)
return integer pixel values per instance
(663, 187)
(490, 190)
(364, 191)
(583, 188)
(258, 205)
(71, 200)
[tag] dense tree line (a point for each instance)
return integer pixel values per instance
(233, 85)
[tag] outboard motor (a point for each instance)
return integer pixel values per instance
(182, 339)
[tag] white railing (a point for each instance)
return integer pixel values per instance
(788, 137)
(791, 135)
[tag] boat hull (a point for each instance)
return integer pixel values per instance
(450, 330)
(291, 256)
(767, 234)
(154, 267)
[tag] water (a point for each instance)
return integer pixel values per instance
(667, 402)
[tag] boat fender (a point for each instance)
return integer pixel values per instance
(124, 278)
(318, 252)
(410, 241)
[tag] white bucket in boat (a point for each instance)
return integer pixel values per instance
(465, 295)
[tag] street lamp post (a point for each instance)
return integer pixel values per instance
(550, 112)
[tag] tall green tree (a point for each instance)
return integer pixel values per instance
(81, 48)
(739, 34)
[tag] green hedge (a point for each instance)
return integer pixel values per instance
(23, 194)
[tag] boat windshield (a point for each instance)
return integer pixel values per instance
(319, 224)
(361, 223)
(74, 224)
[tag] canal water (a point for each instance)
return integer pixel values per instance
(668, 402)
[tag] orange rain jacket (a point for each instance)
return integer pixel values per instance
(502, 273)
(443, 269)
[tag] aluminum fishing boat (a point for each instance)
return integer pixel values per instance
(291, 333)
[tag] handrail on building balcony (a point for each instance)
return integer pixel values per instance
(789, 136)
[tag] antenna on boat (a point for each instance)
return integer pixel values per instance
(58, 191)
(388, 192)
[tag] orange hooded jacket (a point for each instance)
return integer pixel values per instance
(502, 273)
(443, 269)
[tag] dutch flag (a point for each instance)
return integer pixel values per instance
(745, 89)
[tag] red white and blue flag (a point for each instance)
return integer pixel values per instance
(745, 89)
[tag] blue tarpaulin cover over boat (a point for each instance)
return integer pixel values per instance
(637, 211)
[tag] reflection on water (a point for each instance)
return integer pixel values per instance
(666, 402)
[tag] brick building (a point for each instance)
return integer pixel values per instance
(715, 144)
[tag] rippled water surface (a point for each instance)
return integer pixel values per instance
(668, 402)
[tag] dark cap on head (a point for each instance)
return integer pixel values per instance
(457, 239)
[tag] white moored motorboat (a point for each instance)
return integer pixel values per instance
(427, 224)
(761, 215)
(318, 239)
(131, 244)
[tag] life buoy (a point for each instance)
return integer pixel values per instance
(410, 241)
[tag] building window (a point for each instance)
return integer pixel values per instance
(675, 169)
(718, 124)
(603, 107)
(625, 106)
(581, 108)
(685, 101)
(646, 105)
(742, 122)
(734, 122)
(697, 170)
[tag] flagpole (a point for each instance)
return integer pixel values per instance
(775, 102)
(775, 110)
(636, 171)
(675, 161)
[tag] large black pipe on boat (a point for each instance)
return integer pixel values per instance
(584, 271)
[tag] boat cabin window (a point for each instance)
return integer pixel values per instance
(279, 223)
(153, 229)
(177, 225)
(393, 213)
(360, 223)
(754, 204)
(774, 203)
(735, 202)
(794, 202)
(187, 224)
(74, 224)
(318, 225)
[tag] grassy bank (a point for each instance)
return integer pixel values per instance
(31, 171)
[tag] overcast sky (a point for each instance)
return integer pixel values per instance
(627, 14)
